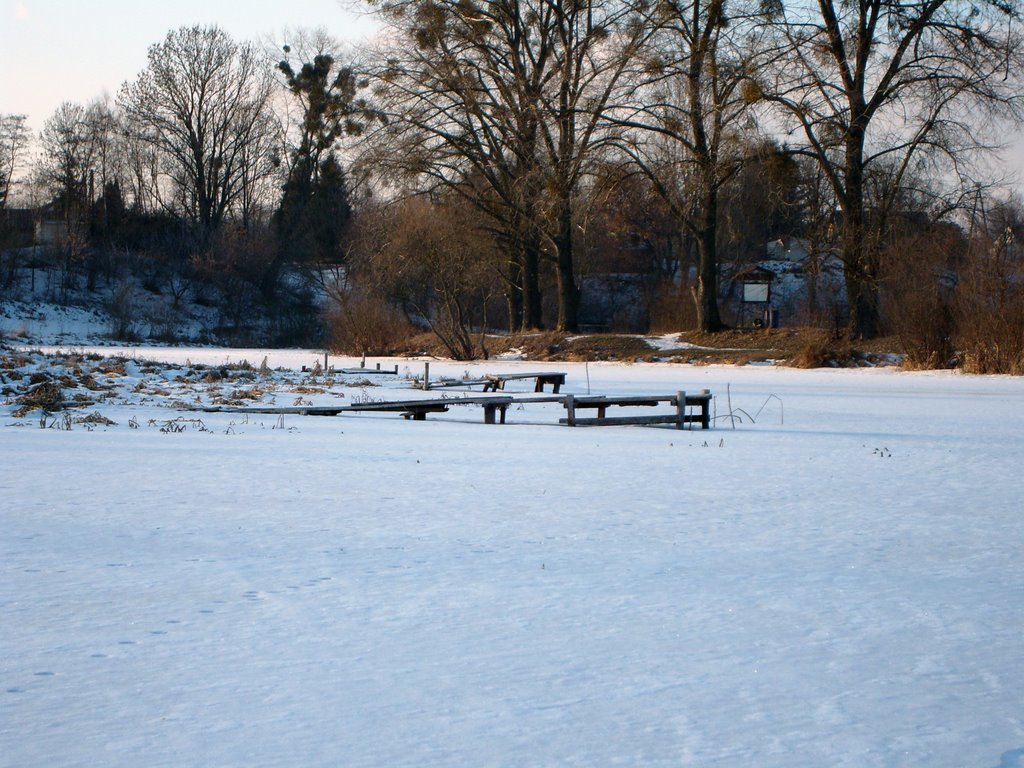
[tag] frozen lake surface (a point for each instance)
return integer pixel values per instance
(840, 583)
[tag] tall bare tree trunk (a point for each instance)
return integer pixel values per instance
(859, 259)
(705, 292)
(532, 317)
(568, 292)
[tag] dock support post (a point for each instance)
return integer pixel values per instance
(426, 375)
(570, 410)
(680, 409)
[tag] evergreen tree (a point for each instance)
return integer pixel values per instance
(314, 212)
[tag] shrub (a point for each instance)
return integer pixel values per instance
(990, 314)
(672, 308)
(918, 296)
(824, 349)
(924, 322)
(122, 311)
(360, 324)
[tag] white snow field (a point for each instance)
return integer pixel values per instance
(841, 586)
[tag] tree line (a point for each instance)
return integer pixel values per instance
(470, 166)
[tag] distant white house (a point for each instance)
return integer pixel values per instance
(803, 284)
(50, 231)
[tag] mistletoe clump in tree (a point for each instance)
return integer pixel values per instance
(315, 209)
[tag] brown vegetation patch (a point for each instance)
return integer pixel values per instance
(605, 347)
(246, 394)
(11, 361)
(113, 369)
(801, 346)
(540, 345)
(90, 383)
(47, 396)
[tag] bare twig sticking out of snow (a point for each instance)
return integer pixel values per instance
(733, 416)
(782, 412)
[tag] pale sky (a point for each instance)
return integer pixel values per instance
(75, 50)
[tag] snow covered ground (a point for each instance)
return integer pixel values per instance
(838, 583)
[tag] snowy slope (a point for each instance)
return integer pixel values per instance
(838, 584)
(31, 312)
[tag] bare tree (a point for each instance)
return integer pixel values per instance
(689, 122)
(258, 171)
(460, 98)
(891, 84)
(14, 140)
(203, 103)
(595, 45)
(104, 129)
(67, 160)
(104, 134)
(503, 101)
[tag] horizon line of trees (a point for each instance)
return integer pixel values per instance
(483, 156)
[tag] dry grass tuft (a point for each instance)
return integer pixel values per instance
(96, 418)
(824, 350)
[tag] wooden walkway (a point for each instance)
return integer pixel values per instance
(496, 381)
(364, 371)
(493, 382)
(688, 409)
(418, 409)
(494, 408)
